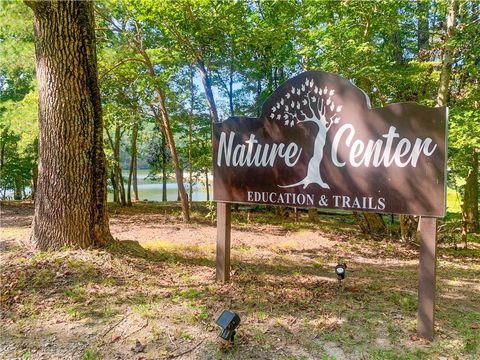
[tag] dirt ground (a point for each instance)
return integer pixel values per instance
(152, 294)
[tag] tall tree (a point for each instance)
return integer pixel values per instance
(190, 130)
(18, 98)
(422, 27)
(133, 165)
(460, 91)
(70, 209)
(198, 30)
(443, 90)
(145, 44)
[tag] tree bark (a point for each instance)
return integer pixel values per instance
(164, 169)
(422, 28)
(207, 85)
(281, 75)
(443, 89)
(258, 104)
(163, 120)
(408, 227)
(176, 164)
(113, 169)
(397, 46)
(17, 194)
(164, 124)
(113, 179)
(70, 209)
(206, 184)
(370, 223)
(135, 178)
(312, 215)
(470, 201)
(133, 155)
(34, 182)
(118, 167)
(375, 223)
(230, 90)
(190, 129)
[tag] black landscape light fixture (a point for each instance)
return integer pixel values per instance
(228, 321)
(340, 270)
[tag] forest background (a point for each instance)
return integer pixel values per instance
(203, 61)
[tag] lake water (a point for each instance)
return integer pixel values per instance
(149, 190)
(152, 191)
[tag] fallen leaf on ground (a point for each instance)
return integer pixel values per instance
(115, 338)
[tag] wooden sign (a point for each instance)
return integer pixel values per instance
(319, 144)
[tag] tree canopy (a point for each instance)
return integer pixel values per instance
(165, 67)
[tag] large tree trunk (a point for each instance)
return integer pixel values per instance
(70, 209)
(470, 201)
(443, 89)
(133, 155)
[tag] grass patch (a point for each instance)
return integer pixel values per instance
(91, 354)
(468, 326)
(76, 293)
(285, 292)
(391, 354)
(406, 302)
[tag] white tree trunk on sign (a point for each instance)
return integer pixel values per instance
(317, 103)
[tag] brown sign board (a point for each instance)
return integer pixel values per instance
(318, 143)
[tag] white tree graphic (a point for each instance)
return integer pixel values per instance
(309, 103)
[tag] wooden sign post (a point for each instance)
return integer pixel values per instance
(318, 143)
(427, 231)
(223, 242)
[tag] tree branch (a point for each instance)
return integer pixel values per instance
(119, 64)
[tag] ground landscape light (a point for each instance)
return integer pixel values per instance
(340, 270)
(228, 321)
